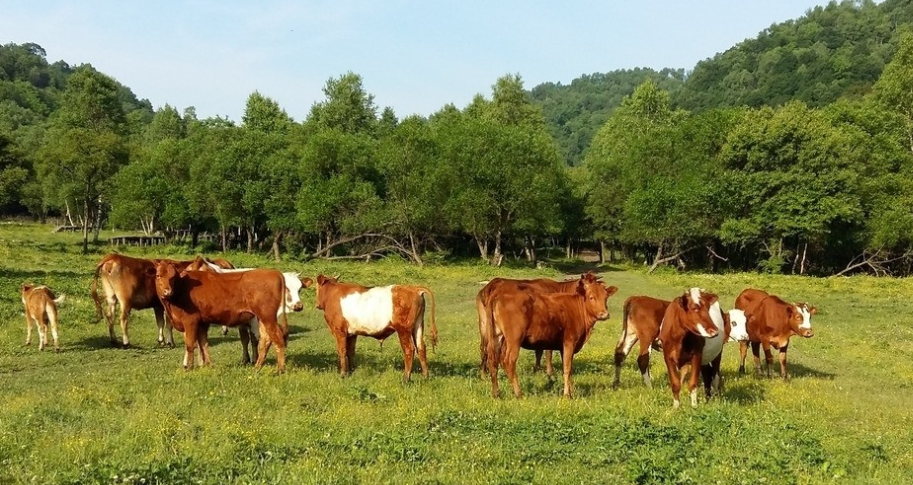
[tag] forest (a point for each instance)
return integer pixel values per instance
(789, 153)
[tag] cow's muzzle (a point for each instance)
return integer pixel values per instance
(603, 316)
(807, 332)
(298, 307)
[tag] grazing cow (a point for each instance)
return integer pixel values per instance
(770, 323)
(351, 310)
(127, 281)
(685, 336)
(536, 321)
(250, 333)
(641, 323)
(40, 308)
(541, 285)
(195, 299)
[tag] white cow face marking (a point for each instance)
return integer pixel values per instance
(804, 313)
(696, 296)
(738, 322)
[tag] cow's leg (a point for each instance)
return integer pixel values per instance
(567, 362)
(28, 328)
(225, 330)
(643, 364)
(783, 372)
(163, 322)
(675, 382)
(694, 377)
(255, 333)
(124, 315)
(244, 331)
(262, 348)
(190, 344)
(756, 351)
(203, 341)
(274, 336)
(405, 341)
(625, 344)
(111, 306)
(743, 354)
(342, 351)
(42, 324)
(538, 366)
(418, 338)
(350, 352)
(52, 317)
(511, 353)
(768, 356)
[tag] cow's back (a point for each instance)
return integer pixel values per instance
(243, 295)
(768, 318)
(130, 278)
(749, 298)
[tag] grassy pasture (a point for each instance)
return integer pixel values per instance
(97, 414)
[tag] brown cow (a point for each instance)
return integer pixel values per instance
(351, 310)
(40, 308)
(195, 299)
(126, 281)
(687, 328)
(640, 322)
(770, 323)
(556, 321)
(541, 285)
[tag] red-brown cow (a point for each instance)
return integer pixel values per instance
(196, 299)
(535, 321)
(351, 310)
(643, 316)
(40, 309)
(640, 321)
(770, 323)
(686, 330)
(541, 285)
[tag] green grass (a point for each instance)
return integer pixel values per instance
(96, 414)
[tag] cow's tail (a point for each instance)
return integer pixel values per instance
(493, 360)
(60, 299)
(433, 333)
(95, 297)
(624, 327)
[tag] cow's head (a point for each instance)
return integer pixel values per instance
(800, 318)
(738, 326)
(595, 294)
(697, 304)
(166, 275)
(322, 282)
(293, 284)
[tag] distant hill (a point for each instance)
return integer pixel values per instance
(829, 53)
(575, 111)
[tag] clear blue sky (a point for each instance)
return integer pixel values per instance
(414, 56)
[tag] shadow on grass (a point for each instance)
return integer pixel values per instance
(35, 276)
(744, 389)
(577, 267)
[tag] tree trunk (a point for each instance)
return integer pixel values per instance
(96, 226)
(601, 251)
(414, 250)
(497, 257)
(530, 250)
(85, 226)
(223, 233)
(250, 239)
(69, 216)
(276, 239)
(802, 266)
(568, 249)
(482, 242)
(194, 236)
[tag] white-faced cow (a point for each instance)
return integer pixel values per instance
(351, 310)
(685, 330)
(770, 323)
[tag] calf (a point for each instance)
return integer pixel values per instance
(195, 299)
(351, 310)
(536, 321)
(250, 333)
(541, 285)
(40, 308)
(770, 323)
(685, 330)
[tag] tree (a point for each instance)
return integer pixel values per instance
(892, 90)
(347, 108)
(85, 146)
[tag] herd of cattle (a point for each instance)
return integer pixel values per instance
(541, 315)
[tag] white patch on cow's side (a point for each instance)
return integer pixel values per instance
(696, 295)
(739, 326)
(694, 397)
(368, 313)
(714, 345)
(806, 317)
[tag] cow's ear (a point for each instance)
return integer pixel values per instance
(611, 291)
(711, 299)
(790, 310)
(321, 280)
(812, 310)
(581, 287)
(307, 282)
(683, 301)
(150, 271)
